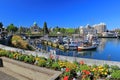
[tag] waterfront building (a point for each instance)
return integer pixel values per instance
(100, 27)
(87, 30)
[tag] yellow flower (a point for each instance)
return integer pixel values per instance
(37, 59)
(105, 73)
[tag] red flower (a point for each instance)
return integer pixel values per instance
(84, 71)
(67, 70)
(66, 78)
(81, 62)
(87, 72)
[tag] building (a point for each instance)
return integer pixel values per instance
(87, 30)
(100, 27)
(35, 28)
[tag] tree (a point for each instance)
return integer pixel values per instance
(45, 29)
(62, 30)
(21, 29)
(12, 28)
(1, 25)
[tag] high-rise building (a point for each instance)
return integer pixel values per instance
(100, 27)
(87, 30)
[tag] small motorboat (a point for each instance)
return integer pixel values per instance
(86, 46)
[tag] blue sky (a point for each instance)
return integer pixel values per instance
(62, 13)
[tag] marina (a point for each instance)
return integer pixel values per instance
(108, 49)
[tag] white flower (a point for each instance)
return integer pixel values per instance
(78, 73)
(74, 78)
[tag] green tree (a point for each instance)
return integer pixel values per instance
(70, 30)
(45, 29)
(62, 30)
(12, 28)
(21, 29)
(1, 25)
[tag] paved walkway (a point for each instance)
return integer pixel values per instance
(6, 76)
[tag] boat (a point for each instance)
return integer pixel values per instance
(49, 43)
(81, 48)
(61, 47)
(72, 45)
(86, 46)
(55, 45)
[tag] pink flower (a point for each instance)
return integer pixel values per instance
(81, 62)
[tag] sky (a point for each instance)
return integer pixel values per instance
(62, 13)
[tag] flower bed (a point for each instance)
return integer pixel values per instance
(74, 70)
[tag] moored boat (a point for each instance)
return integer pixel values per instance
(82, 48)
(71, 45)
(86, 46)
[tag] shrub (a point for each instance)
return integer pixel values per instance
(116, 75)
(42, 63)
(21, 57)
(8, 53)
(84, 67)
(3, 52)
(55, 66)
(115, 67)
(11, 55)
(31, 59)
(26, 59)
(49, 63)
(18, 42)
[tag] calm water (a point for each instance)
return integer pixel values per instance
(109, 49)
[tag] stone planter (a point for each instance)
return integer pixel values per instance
(31, 72)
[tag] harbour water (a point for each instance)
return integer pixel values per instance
(108, 49)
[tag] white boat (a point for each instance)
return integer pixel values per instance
(72, 45)
(85, 46)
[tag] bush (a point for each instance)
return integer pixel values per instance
(18, 42)
(21, 57)
(31, 59)
(8, 53)
(26, 59)
(42, 63)
(11, 55)
(56, 66)
(115, 67)
(3, 52)
(49, 63)
(116, 75)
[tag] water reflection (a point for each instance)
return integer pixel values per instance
(108, 49)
